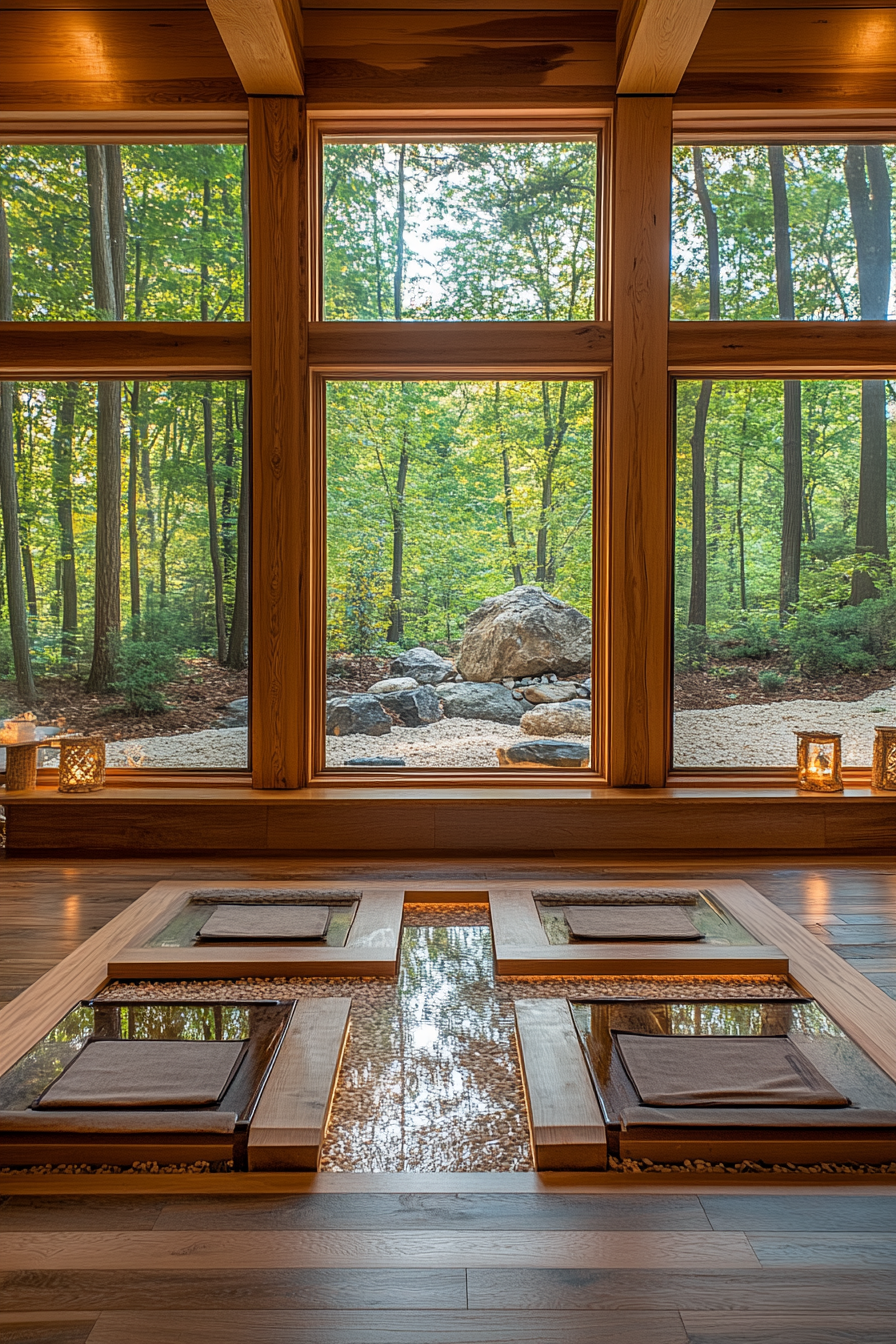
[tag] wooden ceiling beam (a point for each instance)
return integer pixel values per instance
(264, 41)
(655, 40)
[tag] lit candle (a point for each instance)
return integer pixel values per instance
(818, 762)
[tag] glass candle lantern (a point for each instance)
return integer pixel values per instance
(818, 762)
(82, 764)
(883, 764)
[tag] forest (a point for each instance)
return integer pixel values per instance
(125, 591)
(785, 490)
(443, 493)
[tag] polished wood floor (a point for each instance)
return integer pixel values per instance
(462, 1267)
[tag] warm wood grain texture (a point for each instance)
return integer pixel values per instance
(778, 349)
(215, 125)
(85, 58)
(281, 583)
(465, 820)
(565, 1122)
(264, 41)
(655, 41)
(807, 1327)
(287, 1250)
(361, 349)
(291, 1120)
(515, 922)
(638, 471)
(865, 1012)
(124, 349)
(805, 42)
(647, 959)
(183, 963)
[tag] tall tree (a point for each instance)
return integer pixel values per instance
(9, 498)
(791, 514)
(63, 435)
(239, 618)
(105, 188)
(208, 445)
(697, 606)
(870, 203)
(515, 566)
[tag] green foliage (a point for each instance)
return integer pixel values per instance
(146, 661)
(756, 636)
(849, 639)
(769, 680)
(691, 648)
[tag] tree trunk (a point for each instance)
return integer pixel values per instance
(396, 614)
(697, 605)
(133, 476)
(553, 435)
(62, 489)
(791, 516)
(107, 253)
(508, 495)
(9, 499)
(239, 621)
(740, 530)
(399, 240)
(214, 548)
(870, 197)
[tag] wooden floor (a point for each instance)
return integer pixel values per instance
(439, 1267)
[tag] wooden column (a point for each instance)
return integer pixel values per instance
(639, 472)
(281, 458)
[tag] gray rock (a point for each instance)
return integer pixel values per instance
(377, 760)
(392, 684)
(582, 693)
(423, 665)
(552, 676)
(508, 682)
(550, 694)
(474, 700)
(357, 714)
(587, 684)
(544, 752)
(237, 715)
(413, 708)
(555, 720)
(517, 695)
(524, 633)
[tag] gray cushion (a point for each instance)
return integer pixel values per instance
(651, 923)
(266, 923)
(145, 1074)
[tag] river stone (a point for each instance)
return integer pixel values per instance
(524, 633)
(473, 700)
(551, 695)
(554, 720)
(377, 760)
(357, 714)
(544, 752)
(423, 665)
(413, 708)
(392, 684)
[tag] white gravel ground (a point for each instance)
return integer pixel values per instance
(749, 735)
(754, 735)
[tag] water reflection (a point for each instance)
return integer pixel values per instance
(431, 1080)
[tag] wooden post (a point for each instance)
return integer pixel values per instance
(639, 471)
(281, 463)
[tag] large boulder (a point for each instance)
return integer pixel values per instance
(524, 633)
(357, 714)
(423, 665)
(555, 720)
(544, 752)
(554, 693)
(472, 700)
(413, 708)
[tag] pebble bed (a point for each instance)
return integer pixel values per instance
(430, 1080)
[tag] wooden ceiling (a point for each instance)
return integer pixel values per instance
(119, 55)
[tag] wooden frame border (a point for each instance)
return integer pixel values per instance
(566, 1127)
(371, 948)
(521, 945)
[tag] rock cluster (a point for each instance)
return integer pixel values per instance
(524, 633)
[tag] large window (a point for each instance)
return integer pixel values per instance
(459, 573)
(133, 534)
(784, 598)
(459, 232)
(783, 231)
(125, 232)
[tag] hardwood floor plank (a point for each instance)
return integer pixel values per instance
(236, 1290)
(457, 1211)
(824, 1248)
(799, 1213)
(760, 1290)
(808, 1328)
(287, 1250)
(65, 1331)
(20, 1213)
(411, 1327)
